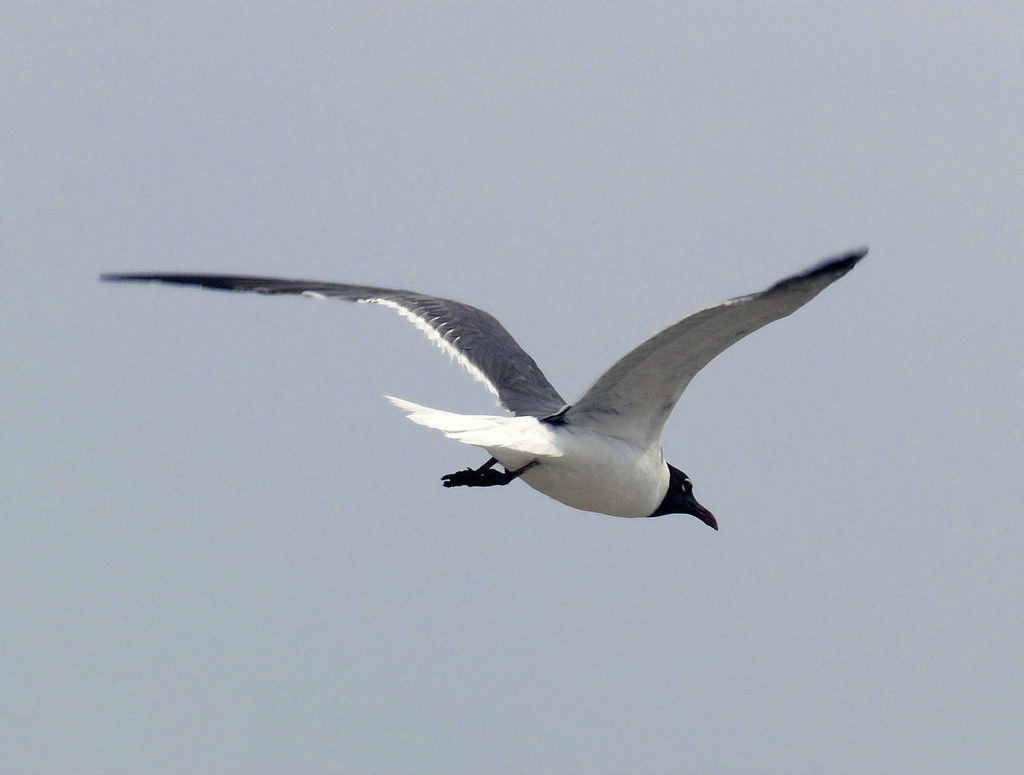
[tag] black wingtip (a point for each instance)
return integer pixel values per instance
(837, 265)
(833, 268)
(214, 281)
(129, 277)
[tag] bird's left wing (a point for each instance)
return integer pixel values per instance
(473, 337)
(633, 399)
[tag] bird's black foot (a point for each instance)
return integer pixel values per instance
(463, 478)
(470, 477)
(484, 476)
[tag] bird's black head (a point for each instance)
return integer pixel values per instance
(679, 499)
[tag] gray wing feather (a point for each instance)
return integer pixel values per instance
(476, 339)
(634, 398)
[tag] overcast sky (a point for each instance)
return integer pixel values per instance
(223, 551)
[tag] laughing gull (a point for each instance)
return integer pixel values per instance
(602, 453)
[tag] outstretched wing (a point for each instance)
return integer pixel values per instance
(473, 337)
(633, 399)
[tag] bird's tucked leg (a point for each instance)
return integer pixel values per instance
(484, 476)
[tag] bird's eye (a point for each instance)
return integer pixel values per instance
(687, 485)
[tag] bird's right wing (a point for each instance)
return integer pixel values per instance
(473, 337)
(633, 399)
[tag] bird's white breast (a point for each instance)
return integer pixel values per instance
(596, 473)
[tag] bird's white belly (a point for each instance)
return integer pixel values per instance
(596, 473)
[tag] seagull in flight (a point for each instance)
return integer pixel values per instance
(602, 453)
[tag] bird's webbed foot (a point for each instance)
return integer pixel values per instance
(464, 478)
(470, 477)
(485, 476)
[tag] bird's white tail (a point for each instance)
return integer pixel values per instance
(514, 434)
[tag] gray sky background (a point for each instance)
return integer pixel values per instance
(223, 551)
